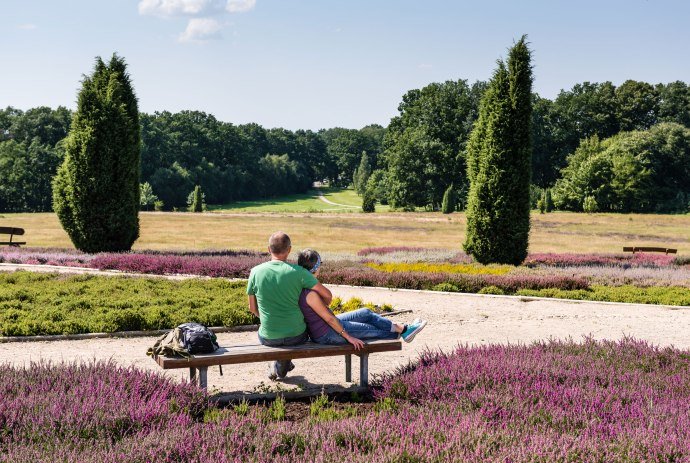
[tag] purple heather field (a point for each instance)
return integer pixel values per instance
(549, 402)
(540, 270)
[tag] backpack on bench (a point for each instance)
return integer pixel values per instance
(185, 340)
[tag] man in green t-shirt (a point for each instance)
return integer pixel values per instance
(273, 289)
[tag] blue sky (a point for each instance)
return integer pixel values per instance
(313, 64)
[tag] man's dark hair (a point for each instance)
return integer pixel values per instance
(308, 259)
(279, 243)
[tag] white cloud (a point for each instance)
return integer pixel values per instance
(240, 6)
(200, 30)
(27, 27)
(425, 66)
(206, 16)
(167, 8)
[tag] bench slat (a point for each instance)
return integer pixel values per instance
(635, 249)
(11, 231)
(259, 353)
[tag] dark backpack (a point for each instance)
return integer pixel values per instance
(197, 339)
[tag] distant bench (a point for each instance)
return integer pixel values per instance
(11, 231)
(233, 355)
(635, 249)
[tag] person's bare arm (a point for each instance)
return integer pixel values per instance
(317, 304)
(324, 292)
(253, 306)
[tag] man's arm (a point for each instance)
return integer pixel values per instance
(253, 306)
(318, 306)
(324, 292)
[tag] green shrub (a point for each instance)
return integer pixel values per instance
(448, 204)
(35, 304)
(368, 201)
(590, 205)
(499, 164)
(96, 189)
(491, 290)
(669, 295)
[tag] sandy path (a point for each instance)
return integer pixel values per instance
(453, 319)
(328, 201)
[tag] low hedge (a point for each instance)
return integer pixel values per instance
(669, 295)
(49, 303)
(46, 303)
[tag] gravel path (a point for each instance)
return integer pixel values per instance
(453, 319)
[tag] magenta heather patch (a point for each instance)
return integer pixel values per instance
(568, 259)
(550, 402)
(229, 266)
(43, 403)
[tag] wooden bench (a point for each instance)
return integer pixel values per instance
(233, 355)
(11, 231)
(635, 249)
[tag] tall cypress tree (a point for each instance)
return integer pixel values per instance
(96, 189)
(499, 164)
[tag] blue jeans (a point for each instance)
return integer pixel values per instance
(361, 324)
(283, 366)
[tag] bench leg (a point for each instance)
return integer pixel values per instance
(348, 368)
(364, 370)
(203, 377)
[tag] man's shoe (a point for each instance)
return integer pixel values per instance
(412, 330)
(272, 371)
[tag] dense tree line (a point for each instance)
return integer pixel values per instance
(411, 163)
(430, 135)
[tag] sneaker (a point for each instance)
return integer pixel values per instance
(272, 371)
(412, 330)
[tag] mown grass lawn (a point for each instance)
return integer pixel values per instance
(346, 201)
(555, 232)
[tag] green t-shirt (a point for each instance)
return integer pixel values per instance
(277, 286)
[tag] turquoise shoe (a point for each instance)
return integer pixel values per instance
(412, 330)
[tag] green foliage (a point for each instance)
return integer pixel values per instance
(590, 205)
(425, 144)
(96, 189)
(541, 206)
(344, 151)
(33, 304)
(368, 201)
(146, 196)
(196, 201)
(322, 409)
(548, 200)
(498, 165)
(449, 202)
(666, 295)
(378, 185)
(640, 171)
(276, 411)
(362, 174)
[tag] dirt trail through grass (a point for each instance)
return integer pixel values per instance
(328, 201)
(453, 319)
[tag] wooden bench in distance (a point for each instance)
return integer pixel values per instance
(11, 231)
(234, 355)
(635, 249)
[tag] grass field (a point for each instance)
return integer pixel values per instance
(345, 200)
(555, 232)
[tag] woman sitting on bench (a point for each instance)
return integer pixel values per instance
(326, 328)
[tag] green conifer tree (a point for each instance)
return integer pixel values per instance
(196, 200)
(369, 201)
(499, 164)
(96, 189)
(362, 174)
(448, 204)
(548, 200)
